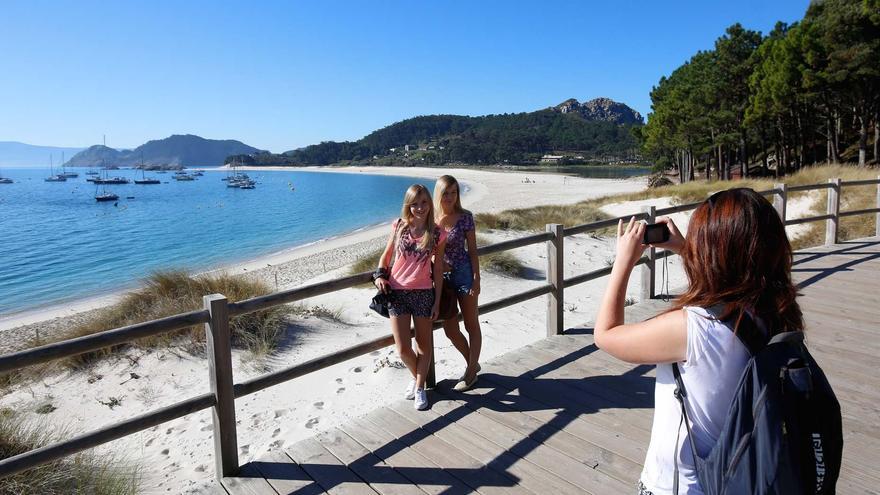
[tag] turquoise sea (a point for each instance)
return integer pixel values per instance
(58, 244)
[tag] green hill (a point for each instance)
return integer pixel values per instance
(594, 129)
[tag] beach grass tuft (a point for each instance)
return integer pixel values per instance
(80, 473)
(537, 218)
(167, 293)
(503, 263)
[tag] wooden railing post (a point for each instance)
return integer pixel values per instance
(219, 343)
(555, 276)
(831, 225)
(649, 275)
(780, 199)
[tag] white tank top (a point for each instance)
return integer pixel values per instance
(714, 363)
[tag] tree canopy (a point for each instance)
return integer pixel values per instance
(802, 94)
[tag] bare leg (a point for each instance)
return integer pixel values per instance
(424, 349)
(453, 333)
(471, 318)
(403, 342)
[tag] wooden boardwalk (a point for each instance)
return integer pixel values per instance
(559, 416)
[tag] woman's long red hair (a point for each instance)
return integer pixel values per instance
(738, 258)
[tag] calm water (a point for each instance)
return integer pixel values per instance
(57, 243)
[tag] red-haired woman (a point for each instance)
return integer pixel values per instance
(738, 262)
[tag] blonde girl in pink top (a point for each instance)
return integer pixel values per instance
(414, 290)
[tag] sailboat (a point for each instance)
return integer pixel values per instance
(54, 177)
(104, 196)
(64, 171)
(144, 179)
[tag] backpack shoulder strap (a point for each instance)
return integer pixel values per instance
(751, 331)
(680, 395)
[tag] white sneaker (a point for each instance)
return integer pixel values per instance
(421, 399)
(410, 391)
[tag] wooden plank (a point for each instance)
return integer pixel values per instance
(564, 394)
(284, 475)
(454, 461)
(599, 429)
(417, 468)
(380, 476)
(592, 469)
(532, 419)
(328, 471)
(483, 451)
(488, 448)
(248, 482)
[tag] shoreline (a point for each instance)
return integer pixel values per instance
(477, 184)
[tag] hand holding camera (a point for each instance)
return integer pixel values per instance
(664, 234)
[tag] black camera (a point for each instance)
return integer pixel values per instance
(655, 233)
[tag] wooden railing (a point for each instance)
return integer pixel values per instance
(217, 311)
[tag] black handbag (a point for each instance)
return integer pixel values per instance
(379, 303)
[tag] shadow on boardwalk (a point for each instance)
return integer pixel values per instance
(558, 416)
(489, 439)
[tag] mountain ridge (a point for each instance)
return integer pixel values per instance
(183, 150)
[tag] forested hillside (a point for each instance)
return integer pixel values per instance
(491, 139)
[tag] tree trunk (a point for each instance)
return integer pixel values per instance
(836, 148)
(744, 154)
(829, 142)
(764, 165)
(719, 167)
(876, 135)
(863, 139)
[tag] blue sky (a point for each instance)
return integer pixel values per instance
(284, 74)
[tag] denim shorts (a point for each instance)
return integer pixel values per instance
(461, 277)
(416, 302)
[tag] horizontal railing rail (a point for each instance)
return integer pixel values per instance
(218, 311)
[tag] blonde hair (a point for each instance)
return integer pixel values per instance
(411, 196)
(440, 187)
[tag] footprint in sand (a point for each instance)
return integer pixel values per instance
(277, 444)
(165, 451)
(276, 432)
(200, 468)
(149, 442)
(339, 380)
(206, 428)
(318, 405)
(311, 423)
(168, 431)
(357, 369)
(280, 412)
(244, 449)
(340, 390)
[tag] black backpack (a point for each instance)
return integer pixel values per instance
(783, 432)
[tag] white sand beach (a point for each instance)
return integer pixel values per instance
(177, 457)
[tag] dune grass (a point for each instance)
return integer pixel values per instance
(164, 294)
(82, 473)
(168, 293)
(503, 263)
(855, 197)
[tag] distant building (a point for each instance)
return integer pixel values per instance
(406, 147)
(551, 158)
